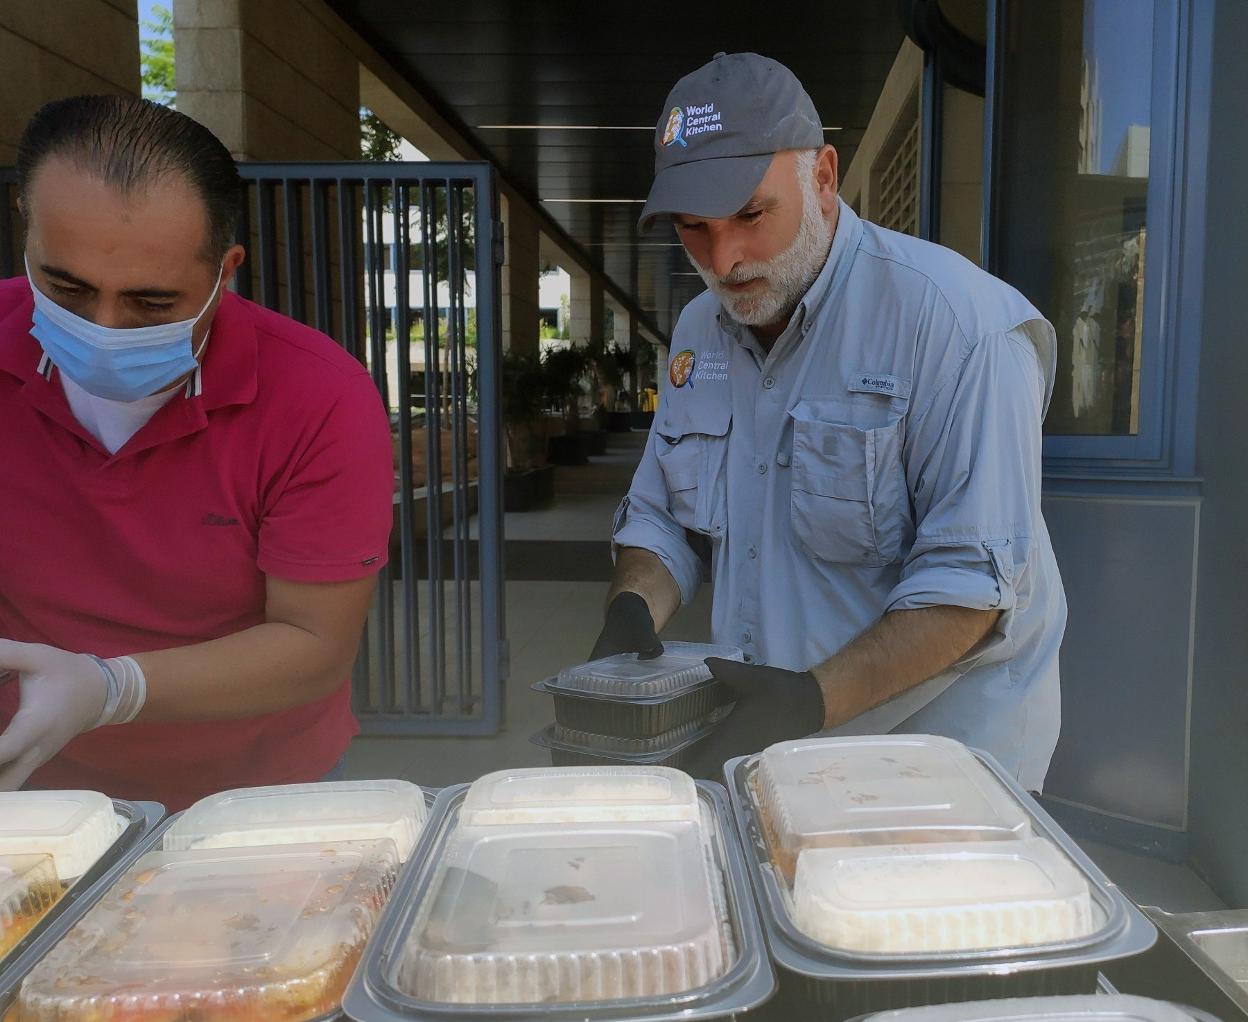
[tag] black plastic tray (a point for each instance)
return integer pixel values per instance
(632, 718)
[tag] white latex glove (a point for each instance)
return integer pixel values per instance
(62, 695)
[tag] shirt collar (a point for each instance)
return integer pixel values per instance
(848, 234)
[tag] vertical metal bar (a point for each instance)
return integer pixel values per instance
(267, 243)
(349, 270)
(322, 300)
(931, 113)
(994, 54)
(293, 215)
(376, 341)
(459, 445)
(8, 238)
(409, 685)
(433, 443)
(242, 279)
(490, 450)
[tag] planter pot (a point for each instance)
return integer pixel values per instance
(593, 442)
(619, 422)
(642, 420)
(523, 491)
(566, 450)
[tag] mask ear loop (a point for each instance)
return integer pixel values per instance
(195, 385)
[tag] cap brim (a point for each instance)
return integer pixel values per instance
(711, 188)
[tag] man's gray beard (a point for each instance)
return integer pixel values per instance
(787, 277)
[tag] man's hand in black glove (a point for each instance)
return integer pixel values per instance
(629, 628)
(772, 705)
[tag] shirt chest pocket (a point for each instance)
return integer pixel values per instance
(693, 454)
(849, 501)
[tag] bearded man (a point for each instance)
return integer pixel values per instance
(852, 435)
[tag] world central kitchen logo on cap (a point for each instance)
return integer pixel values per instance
(684, 123)
(680, 371)
(674, 131)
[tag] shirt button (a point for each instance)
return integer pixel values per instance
(762, 468)
(753, 552)
(769, 382)
(747, 658)
(747, 637)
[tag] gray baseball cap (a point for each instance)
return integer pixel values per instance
(720, 127)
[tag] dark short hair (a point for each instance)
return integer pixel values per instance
(130, 142)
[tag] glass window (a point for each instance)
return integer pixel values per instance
(1073, 135)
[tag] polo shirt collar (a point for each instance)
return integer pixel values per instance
(228, 375)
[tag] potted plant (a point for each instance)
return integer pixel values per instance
(528, 481)
(564, 370)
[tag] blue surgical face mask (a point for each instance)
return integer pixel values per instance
(118, 364)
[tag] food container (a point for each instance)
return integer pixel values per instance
(644, 794)
(841, 984)
(599, 920)
(674, 748)
(936, 898)
(29, 887)
(75, 827)
(624, 696)
(1077, 1008)
(138, 822)
(253, 934)
(1214, 950)
(878, 790)
(303, 813)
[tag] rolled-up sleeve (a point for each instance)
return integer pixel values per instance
(973, 470)
(644, 519)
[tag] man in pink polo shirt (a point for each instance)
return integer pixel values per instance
(197, 491)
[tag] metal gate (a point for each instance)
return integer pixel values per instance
(373, 254)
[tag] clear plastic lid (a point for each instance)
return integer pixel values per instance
(303, 813)
(29, 887)
(571, 913)
(623, 676)
(257, 934)
(910, 899)
(889, 789)
(585, 794)
(1077, 1008)
(1227, 949)
(74, 827)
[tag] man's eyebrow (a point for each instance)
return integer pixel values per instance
(130, 292)
(759, 204)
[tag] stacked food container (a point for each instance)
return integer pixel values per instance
(1112, 1008)
(623, 709)
(57, 849)
(585, 892)
(257, 906)
(1204, 955)
(904, 870)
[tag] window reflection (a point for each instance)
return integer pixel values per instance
(1073, 179)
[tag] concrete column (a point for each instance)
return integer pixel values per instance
(52, 50)
(521, 263)
(587, 307)
(270, 79)
(962, 172)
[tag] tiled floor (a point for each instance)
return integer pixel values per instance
(551, 624)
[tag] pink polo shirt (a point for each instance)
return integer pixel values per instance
(281, 467)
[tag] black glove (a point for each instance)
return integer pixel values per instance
(629, 628)
(772, 705)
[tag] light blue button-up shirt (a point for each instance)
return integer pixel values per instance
(884, 455)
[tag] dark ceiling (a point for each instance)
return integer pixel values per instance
(561, 62)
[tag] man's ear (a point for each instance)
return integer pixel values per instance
(234, 257)
(827, 177)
